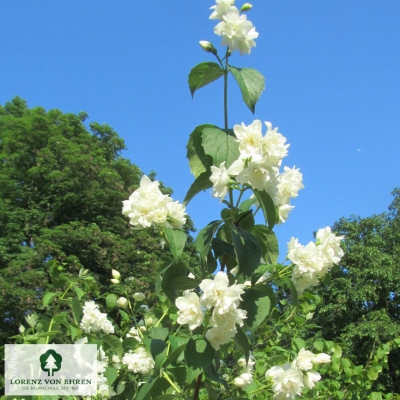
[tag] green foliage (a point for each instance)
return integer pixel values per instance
(360, 303)
(203, 74)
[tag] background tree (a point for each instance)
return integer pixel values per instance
(360, 307)
(61, 192)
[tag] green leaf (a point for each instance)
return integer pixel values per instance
(174, 271)
(129, 344)
(111, 374)
(184, 283)
(293, 290)
(203, 74)
(258, 306)
(299, 344)
(47, 297)
(145, 389)
(158, 349)
(79, 292)
(113, 342)
(268, 242)
(267, 206)
(246, 204)
(176, 240)
(246, 220)
(205, 237)
(111, 300)
(211, 392)
(248, 251)
(220, 247)
(199, 161)
(251, 84)
(159, 333)
(221, 146)
(260, 271)
(202, 182)
(76, 309)
(242, 341)
(199, 352)
(174, 355)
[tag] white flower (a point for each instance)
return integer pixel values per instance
(250, 140)
(139, 361)
(310, 378)
(217, 294)
(243, 381)
(139, 296)
(147, 205)
(273, 144)
(283, 212)
(256, 175)
(237, 33)
(219, 336)
(239, 382)
(221, 8)
(303, 281)
(190, 310)
(220, 180)
(329, 245)
(93, 320)
(287, 381)
(304, 360)
(321, 358)
(308, 259)
(122, 302)
(227, 319)
(290, 182)
(134, 333)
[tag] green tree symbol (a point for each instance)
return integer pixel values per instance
(50, 362)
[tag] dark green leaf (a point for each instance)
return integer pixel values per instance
(221, 146)
(158, 349)
(258, 306)
(205, 237)
(269, 243)
(202, 182)
(246, 204)
(113, 342)
(174, 355)
(199, 352)
(203, 74)
(145, 389)
(251, 84)
(129, 343)
(267, 206)
(245, 220)
(242, 341)
(174, 271)
(248, 251)
(220, 247)
(184, 283)
(199, 161)
(176, 240)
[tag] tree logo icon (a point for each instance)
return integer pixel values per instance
(50, 362)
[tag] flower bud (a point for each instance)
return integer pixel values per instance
(122, 302)
(115, 274)
(21, 329)
(143, 328)
(149, 321)
(144, 309)
(242, 362)
(139, 296)
(239, 382)
(115, 281)
(321, 358)
(246, 7)
(116, 359)
(225, 376)
(208, 47)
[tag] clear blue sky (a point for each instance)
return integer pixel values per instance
(333, 88)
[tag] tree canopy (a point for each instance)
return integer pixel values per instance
(360, 305)
(61, 191)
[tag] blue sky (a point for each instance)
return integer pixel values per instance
(333, 89)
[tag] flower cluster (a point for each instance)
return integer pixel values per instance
(222, 299)
(93, 320)
(314, 260)
(289, 379)
(236, 31)
(147, 205)
(139, 361)
(258, 166)
(246, 377)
